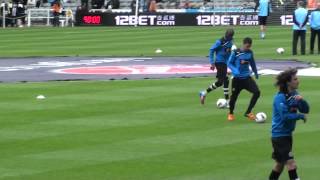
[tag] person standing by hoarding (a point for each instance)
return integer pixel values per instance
(300, 19)
(153, 6)
(315, 28)
(57, 7)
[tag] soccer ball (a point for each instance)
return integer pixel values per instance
(158, 51)
(261, 117)
(234, 47)
(222, 103)
(280, 50)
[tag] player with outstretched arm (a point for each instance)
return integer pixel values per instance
(288, 107)
(239, 62)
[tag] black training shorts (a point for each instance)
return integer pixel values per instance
(222, 70)
(248, 84)
(282, 149)
(263, 20)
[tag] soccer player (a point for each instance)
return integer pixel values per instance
(300, 19)
(264, 7)
(286, 104)
(222, 50)
(315, 28)
(239, 63)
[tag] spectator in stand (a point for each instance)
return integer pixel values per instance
(205, 5)
(38, 3)
(84, 4)
(4, 7)
(51, 2)
(153, 6)
(315, 28)
(97, 4)
(57, 7)
(187, 4)
(13, 13)
(21, 13)
(113, 4)
(133, 6)
(312, 4)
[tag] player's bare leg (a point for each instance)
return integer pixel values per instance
(226, 91)
(262, 31)
(202, 95)
(211, 87)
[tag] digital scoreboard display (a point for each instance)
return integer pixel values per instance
(92, 19)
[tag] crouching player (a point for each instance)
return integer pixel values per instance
(288, 107)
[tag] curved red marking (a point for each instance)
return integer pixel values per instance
(190, 69)
(139, 69)
(96, 70)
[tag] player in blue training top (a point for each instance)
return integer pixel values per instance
(300, 19)
(239, 63)
(264, 7)
(222, 50)
(315, 28)
(288, 107)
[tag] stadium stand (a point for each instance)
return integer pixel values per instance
(203, 5)
(70, 4)
(219, 5)
(42, 8)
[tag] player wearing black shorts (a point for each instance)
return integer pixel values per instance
(239, 63)
(264, 7)
(222, 50)
(288, 107)
(262, 20)
(300, 19)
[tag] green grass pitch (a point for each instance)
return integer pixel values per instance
(144, 129)
(142, 41)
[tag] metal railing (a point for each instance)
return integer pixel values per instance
(67, 17)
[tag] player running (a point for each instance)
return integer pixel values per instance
(239, 63)
(222, 50)
(286, 104)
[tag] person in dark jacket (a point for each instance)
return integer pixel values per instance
(113, 4)
(57, 7)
